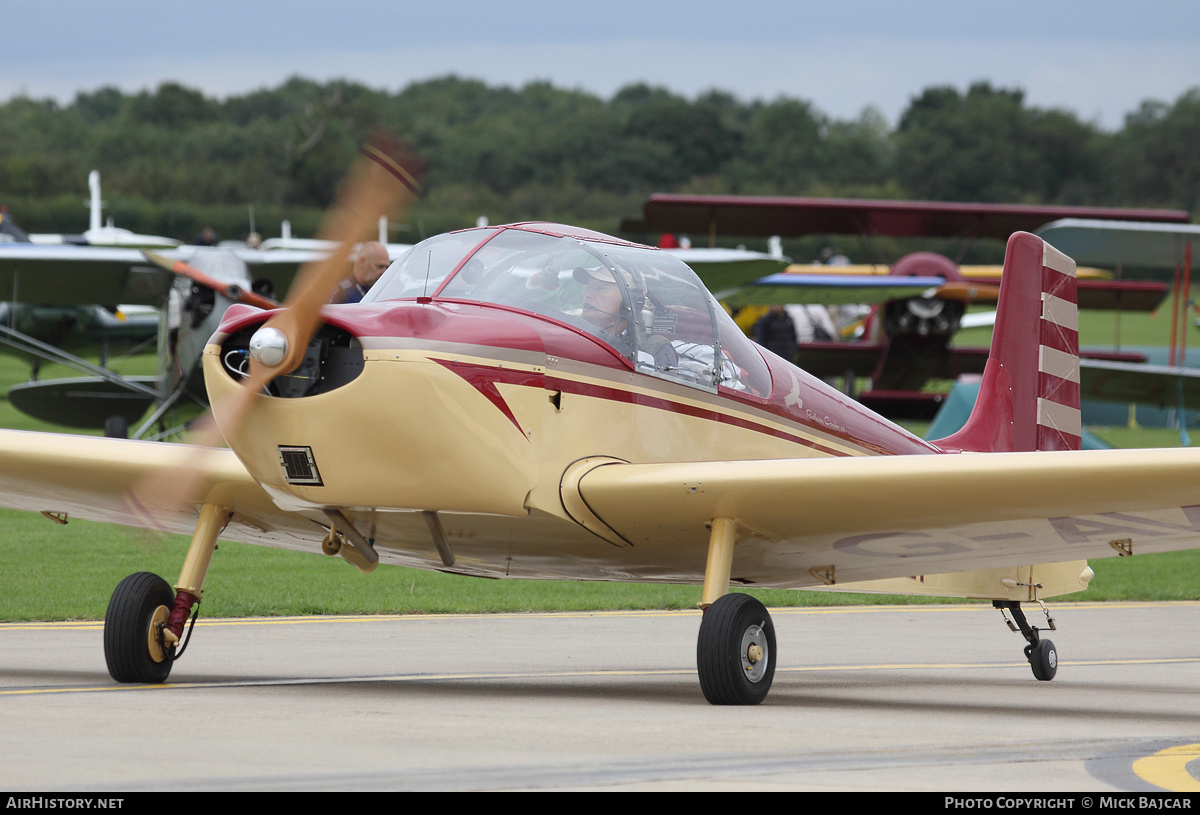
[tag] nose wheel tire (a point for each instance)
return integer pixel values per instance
(735, 652)
(133, 643)
(1043, 659)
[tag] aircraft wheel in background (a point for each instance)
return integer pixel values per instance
(133, 646)
(735, 652)
(1044, 660)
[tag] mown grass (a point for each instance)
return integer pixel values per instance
(53, 572)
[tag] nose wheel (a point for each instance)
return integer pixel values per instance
(735, 652)
(134, 646)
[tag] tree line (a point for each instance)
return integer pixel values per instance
(173, 160)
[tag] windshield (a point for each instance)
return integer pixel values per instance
(645, 304)
(420, 270)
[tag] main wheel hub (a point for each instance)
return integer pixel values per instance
(154, 635)
(754, 653)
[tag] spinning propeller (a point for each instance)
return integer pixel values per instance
(381, 182)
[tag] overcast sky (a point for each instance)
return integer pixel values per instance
(1097, 58)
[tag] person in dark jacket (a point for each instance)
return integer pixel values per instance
(776, 332)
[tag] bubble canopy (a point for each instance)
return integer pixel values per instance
(645, 304)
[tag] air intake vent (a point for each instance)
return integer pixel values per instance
(299, 466)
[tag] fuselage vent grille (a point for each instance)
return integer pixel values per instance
(299, 466)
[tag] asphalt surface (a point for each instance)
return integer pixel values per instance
(932, 698)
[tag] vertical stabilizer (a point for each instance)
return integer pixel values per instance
(95, 204)
(1029, 398)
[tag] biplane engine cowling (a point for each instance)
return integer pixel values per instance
(925, 316)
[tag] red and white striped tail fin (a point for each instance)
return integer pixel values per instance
(1029, 397)
(1059, 421)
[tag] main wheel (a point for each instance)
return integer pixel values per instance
(735, 653)
(1044, 660)
(133, 646)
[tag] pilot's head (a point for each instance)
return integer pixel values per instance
(603, 302)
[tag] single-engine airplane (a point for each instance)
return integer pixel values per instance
(546, 402)
(909, 341)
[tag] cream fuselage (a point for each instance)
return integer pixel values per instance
(478, 412)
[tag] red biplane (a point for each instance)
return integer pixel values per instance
(545, 402)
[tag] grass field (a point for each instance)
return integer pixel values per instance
(52, 572)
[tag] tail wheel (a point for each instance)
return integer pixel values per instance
(735, 653)
(133, 643)
(1043, 659)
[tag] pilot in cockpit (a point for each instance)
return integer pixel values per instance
(603, 303)
(606, 307)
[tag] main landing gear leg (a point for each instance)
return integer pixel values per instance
(1043, 659)
(145, 619)
(735, 652)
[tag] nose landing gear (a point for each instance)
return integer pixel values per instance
(146, 618)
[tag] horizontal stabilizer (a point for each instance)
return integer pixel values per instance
(84, 402)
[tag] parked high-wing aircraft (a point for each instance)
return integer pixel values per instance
(63, 293)
(546, 402)
(65, 278)
(909, 341)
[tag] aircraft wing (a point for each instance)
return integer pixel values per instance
(750, 215)
(73, 275)
(729, 268)
(89, 477)
(1111, 243)
(1158, 385)
(828, 290)
(867, 518)
(801, 522)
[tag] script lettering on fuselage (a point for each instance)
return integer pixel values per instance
(825, 421)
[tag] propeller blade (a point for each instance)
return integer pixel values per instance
(969, 292)
(383, 180)
(231, 291)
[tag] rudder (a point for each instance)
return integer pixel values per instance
(1029, 397)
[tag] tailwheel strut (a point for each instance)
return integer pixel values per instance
(1042, 656)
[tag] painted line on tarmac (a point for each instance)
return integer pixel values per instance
(90, 625)
(342, 680)
(323, 619)
(1168, 768)
(534, 675)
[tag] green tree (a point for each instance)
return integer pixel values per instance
(1154, 159)
(985, 145)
